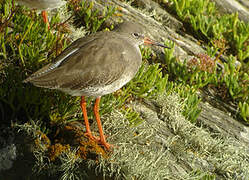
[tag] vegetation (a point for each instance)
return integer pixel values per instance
(224, 35)
(26, 45)
(87, 15)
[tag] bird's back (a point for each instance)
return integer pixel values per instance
(92, 66)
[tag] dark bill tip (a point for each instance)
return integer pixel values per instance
(149, 41)
(161, 45)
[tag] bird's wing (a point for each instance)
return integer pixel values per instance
(63, 57)
(87, 62)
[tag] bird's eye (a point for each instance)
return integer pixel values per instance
(136, 34)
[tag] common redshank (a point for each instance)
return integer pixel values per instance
(95, 65)
(42, 5)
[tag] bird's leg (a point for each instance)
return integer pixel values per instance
(45, 18)
(84, 112)
(101, 132)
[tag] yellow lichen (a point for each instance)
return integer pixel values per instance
(56, 149)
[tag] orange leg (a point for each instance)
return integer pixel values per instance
(101, 132)
(45, 18)
(83, 107)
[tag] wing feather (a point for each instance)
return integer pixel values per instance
(89, 61)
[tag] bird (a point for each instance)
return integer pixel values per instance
(42, 5)
(95, 65)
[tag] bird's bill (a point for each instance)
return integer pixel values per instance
(149, 41)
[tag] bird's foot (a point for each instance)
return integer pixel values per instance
(99, 140)
(106, 145)
(90, 136)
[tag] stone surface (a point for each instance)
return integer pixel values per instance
(233, 6)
